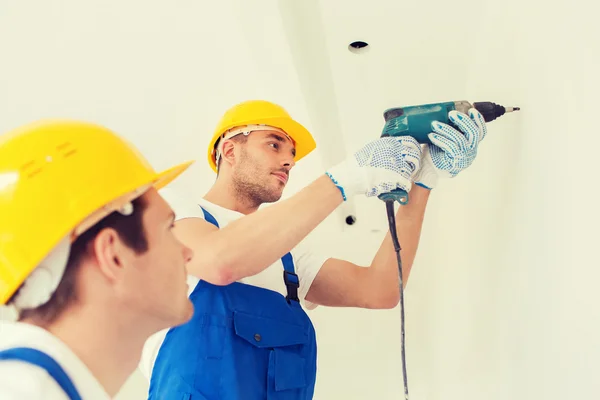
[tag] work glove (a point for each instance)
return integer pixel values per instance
(451, 150)
(379, 167)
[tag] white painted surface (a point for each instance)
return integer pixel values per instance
(502, 301)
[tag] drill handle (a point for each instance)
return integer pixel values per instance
(398, 195)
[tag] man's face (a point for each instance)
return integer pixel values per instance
(157, 278)
(263, 165)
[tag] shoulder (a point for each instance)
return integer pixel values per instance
(23, 381)
(308, 254)
(182, 204)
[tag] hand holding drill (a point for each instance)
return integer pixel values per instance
(451, 150)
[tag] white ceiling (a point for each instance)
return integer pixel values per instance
(157, 70)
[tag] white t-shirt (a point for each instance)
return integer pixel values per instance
(307, 264)
(19, 380)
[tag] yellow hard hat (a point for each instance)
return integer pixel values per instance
(261, 112)
(58, 177)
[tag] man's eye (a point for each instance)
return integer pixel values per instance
(275, 145)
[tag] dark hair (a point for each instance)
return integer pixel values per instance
(241, 139)
(129, 228)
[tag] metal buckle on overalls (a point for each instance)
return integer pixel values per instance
(292, 283)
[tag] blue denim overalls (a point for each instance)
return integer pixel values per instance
(42, 360)
(243, 342)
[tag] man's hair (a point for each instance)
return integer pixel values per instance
(241, 139)
(129, 228)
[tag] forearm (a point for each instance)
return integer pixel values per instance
(340, 283)
(409, 221)
(248, 245)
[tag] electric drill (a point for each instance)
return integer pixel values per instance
(416, 121)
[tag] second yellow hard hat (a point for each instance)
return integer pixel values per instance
(58, 178)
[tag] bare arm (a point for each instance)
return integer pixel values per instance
(343, 284)
(250, 244)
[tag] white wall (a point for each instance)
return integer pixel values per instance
(502, 300)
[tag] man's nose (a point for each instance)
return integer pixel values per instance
(187, 253)
(288, 162)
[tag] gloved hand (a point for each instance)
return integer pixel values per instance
(451, 151)
(379, 167)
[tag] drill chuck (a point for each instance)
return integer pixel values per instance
(491, 111)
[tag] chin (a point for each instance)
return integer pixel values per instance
(183, 314)
(273, 198)
(189, 311)
(276, 193)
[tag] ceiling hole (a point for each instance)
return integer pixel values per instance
(358, 47)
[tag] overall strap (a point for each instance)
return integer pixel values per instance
(209, 217)
(42, 360)
(291, 280)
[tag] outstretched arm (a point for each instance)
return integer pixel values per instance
(250, 244)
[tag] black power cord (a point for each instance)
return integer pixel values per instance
(389, 205)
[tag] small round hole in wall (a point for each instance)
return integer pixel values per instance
(358, 47)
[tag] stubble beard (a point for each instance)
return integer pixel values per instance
(248, 189)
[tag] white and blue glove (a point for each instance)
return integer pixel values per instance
(381, 166)
(452, 150)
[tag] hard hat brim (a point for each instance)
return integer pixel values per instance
(167, 176)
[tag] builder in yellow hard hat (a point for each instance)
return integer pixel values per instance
(250, 337)
(88, 260)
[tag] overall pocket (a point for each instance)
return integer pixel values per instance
(278, 346)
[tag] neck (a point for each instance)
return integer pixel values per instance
(224, 194)
(111, 354)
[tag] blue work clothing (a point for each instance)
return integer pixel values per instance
(42, 360)
(243, 342)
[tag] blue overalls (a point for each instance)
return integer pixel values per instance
(42, 360)
(243, 342)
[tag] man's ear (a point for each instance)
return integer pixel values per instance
(110, 253)
(228, 154)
